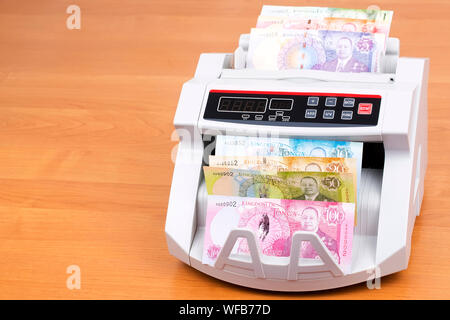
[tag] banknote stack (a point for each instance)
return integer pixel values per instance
(329, 39)
(278, 186)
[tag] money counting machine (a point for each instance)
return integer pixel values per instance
(387, 111)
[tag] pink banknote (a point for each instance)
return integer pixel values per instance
(274, 221)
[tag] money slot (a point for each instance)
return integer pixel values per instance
(281, 268)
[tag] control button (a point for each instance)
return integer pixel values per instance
(365, 108)
(313, 101)
(328, 114)
(272, 117)
(347, 115)
(259, 117)
(330, 102)
(279, 113)
(245, 116)
(310, 113)
(349, 102)
(286, 118)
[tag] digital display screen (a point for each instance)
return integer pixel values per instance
(281, 104)
(235, 104)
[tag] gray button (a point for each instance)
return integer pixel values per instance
(310, 113)
(272, 117)
(349, 102)
(328, 114)
(347, 115)
(286, 118)
(245, 116)
(279, 113)
(313, 101)
(330, 102)
(259, 117)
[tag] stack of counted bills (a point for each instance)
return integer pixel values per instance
(278, 186)
(329, 39)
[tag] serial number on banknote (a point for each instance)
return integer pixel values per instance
(223, 173)
(226, 204)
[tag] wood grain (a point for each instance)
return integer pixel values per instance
(85, 146)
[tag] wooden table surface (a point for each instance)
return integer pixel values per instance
(85, 146)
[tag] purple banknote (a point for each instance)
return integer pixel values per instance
(274, 221)
(326, 50)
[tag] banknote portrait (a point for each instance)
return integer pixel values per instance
(309, 221)
(345, 61)
(310, 188)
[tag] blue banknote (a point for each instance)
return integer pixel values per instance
(227, 145)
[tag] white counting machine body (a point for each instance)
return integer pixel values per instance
(387, 111)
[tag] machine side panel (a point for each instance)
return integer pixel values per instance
(421, 147)
(181, 218)
(181, 213)
(397, 207)
(419, 137)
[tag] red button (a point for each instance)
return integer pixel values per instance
(365, 108)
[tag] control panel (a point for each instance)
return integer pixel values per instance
(293, 108)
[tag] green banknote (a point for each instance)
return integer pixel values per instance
(299, 185)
